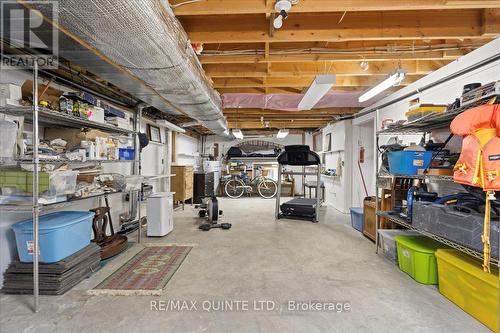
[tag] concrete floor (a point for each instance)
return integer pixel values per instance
(258, 259)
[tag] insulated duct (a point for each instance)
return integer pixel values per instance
(145, 39)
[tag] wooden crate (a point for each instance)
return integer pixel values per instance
(182, 183)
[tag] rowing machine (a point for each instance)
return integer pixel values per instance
(210, 210)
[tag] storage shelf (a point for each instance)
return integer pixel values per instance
(430, 122)
(429, 177)
(25, 208)
(59, 119)
(402, 222)
(63, 160)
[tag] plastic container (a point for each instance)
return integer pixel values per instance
(62, 182)
(23, 180)
(416, 257)
(387, 243)
(60, 235)
(459, 224)
(8, 135)
(357, 218)
(126, 154)
(408, 162)
(463, 281)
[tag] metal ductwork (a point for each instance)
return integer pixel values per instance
(141, 42)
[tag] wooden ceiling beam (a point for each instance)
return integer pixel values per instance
(413, 67)
(264, 112)
(277, 124)
(302, 82)
(376, 25)
(219, 7)
(312, 57)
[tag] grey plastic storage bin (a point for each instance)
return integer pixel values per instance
(387, 243)
(465, 228)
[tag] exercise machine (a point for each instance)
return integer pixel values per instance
(299, 208)
(210, 209)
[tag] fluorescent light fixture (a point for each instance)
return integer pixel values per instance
(170, 126)
(392, 80)
(282, 133)
(238, 134)
(320, 86)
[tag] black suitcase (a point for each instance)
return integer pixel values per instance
(301, 207)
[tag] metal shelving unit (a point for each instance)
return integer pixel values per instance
(422, 126)
(402, 222)
(40, 116)
(53, 118)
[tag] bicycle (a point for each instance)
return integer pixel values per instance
(238, 185)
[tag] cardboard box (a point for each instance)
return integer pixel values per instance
(72, 135)
(10, 94)
(51, 94)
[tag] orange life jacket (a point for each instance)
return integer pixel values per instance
(479, 162)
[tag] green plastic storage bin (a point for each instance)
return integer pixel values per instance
(416, 257)
(24, 180)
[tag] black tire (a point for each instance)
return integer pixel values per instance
(234, 188)
(267, 188)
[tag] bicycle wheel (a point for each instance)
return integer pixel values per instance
(267, 188)
(234, 188)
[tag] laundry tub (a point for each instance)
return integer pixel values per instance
(60, 235)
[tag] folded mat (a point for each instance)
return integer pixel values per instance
(55, 278)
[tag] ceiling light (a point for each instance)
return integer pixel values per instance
(320, 86)
(364, 65)
(282, 133)
(238, 134)
(281, 7)
(393, 80)
(278, 22)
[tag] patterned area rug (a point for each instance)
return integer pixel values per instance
(147, 273)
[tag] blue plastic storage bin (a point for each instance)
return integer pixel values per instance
(60, 235)
(126, 154)
(357, 219)
(408, 162)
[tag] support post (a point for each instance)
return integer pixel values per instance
(318, 195)
(36, 209)
(137, 165)
(278, 194)
(377, 219)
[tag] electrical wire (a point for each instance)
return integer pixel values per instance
(185, 3)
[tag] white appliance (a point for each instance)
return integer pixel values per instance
(160, 214)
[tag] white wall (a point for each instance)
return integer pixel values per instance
(363, 136)
(336, 188)
(187, 150)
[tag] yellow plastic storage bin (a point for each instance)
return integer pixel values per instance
(463, 281)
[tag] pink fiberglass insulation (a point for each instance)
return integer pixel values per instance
(290, 102)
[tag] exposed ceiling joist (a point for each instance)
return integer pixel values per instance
(376, 25)
(218, 7)
(301, 82)
(264, 112)
(412, 67)
(277, 124)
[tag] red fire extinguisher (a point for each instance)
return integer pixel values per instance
(361, 155)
